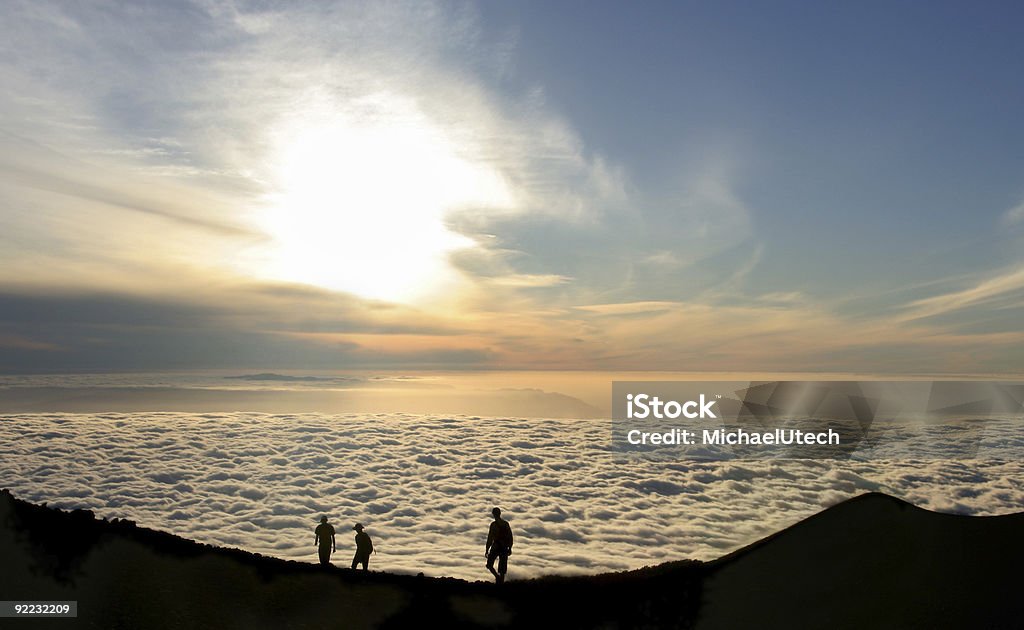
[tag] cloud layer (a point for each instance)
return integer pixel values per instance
(424, 485)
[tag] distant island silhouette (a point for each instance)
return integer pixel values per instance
(870, 562)
(270, 376)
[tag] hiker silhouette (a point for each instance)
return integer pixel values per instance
(325, 540)
(364, 546)
(499, 546)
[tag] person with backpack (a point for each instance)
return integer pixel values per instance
(499, 546)
(364, 547)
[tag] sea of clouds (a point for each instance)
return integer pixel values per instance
(423, 486)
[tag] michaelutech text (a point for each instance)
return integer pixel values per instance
(734, 436)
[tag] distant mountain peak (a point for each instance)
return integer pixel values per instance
(271, 376)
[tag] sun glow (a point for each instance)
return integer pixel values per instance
(362, 197)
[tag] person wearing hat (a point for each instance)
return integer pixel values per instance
(364, 547)
(499, 546)
(325, 540)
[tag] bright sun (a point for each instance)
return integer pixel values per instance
(362, 197)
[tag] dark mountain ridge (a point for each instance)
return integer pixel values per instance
(871, 562)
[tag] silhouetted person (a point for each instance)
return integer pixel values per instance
(499, 546)
(325, 539)
(364, 547)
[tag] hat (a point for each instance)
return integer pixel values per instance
(358, 527)
(323, 519)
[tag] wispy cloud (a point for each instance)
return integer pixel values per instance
(1014, 215)
(1005, 285)
(26, 164)
(18, 342)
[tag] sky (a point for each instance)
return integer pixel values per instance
(727, 186)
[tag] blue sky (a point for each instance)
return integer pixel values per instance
(858, 130)
(534, 185)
